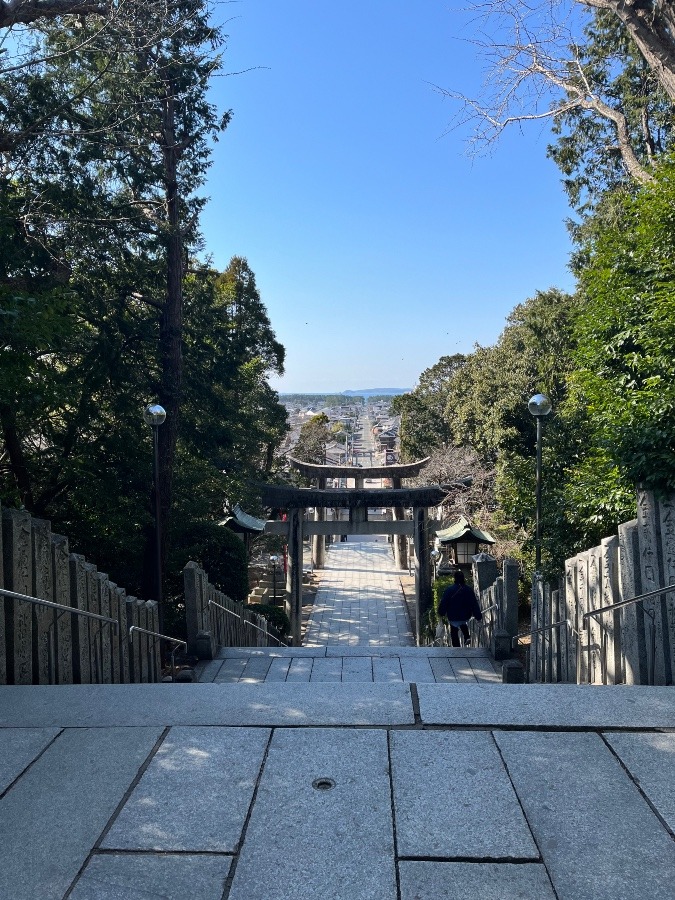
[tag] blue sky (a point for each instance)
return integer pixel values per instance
(378, 244)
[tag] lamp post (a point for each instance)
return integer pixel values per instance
(154, 416)
(540, 407)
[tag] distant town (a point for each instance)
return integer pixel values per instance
(366, 430)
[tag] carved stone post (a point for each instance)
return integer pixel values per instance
(64, 625)
(18, 562)
(103, 587)
(79, 624)
(44, 618)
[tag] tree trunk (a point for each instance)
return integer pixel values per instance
(653, 31)
(170, 344)
(17, 458)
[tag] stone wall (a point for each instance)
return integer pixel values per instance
(631, 645)
(214, 620)
(43, 645)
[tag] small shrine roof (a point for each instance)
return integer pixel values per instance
(460, 529)
(243, 521)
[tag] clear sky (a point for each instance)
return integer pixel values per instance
(378, 244)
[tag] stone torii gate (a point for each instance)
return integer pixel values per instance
(357, 500)
(360, 474)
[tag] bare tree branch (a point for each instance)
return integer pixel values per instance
(535, 72)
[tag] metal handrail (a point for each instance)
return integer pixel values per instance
(71, 609)
(651, 674)
(602, 609)
(252, 624)
(524, 634)
(164, 637)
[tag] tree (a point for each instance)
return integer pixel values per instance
(25, 12)
(313, 438)
(547, 61)
(423, 424)
(98, 273)
(586, 150)
(143, 124)
(626, 334)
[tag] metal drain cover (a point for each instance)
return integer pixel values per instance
(323, 784)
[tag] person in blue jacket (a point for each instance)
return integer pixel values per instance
(459, 604)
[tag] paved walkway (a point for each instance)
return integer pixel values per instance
(359, 791)
(358, 632)
(359, 601)
(336, 663)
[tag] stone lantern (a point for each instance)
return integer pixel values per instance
(459, 543)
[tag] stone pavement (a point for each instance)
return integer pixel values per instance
(360, 791)
(359, 601)
(341, 663)
(358, 769)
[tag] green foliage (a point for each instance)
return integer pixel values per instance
(218, 551)
(422, 411)
(313, 439)
(627, 333)
(275, 616)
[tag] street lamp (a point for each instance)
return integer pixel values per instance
(540, 407)
(154, 416)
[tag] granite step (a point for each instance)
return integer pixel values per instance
(370, 791)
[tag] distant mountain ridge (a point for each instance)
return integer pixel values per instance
(373, 392)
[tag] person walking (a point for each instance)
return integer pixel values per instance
(459, 604)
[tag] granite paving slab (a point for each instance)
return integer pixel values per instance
(386, 669)
(485, 671)
(150, 876)
(101, 705)
(650, 759)
(547, 705)
(442, 669)
(326, 670)
(357, 668)
(255, 670)
(463, 672)
(195, 793)
(278, 670)
(466, 881)
(18, 748)
(453, 798)
(230, 671)
(597, 835)
(300, 670)
(309, 843)
(248, 652)
(416, 669)
(417, 652)
(209, 670)
(53, 816)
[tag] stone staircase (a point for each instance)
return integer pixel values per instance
(338, 663)
(368, 791)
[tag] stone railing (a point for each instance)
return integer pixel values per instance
(48, 645)
(498, 600)
(214, 620)
(632, 644)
